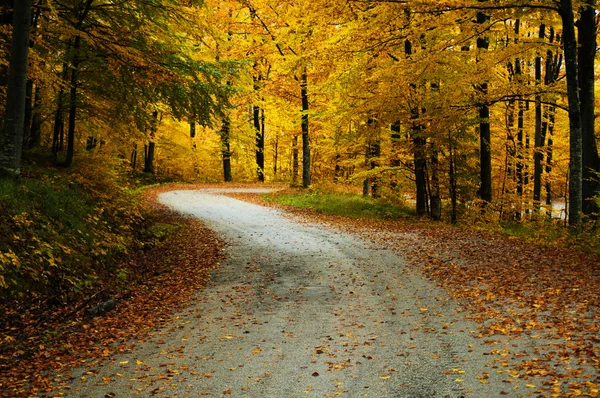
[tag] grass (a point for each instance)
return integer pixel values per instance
(341, 204)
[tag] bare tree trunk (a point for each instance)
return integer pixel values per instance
(295, 161)
(435, 199)
(305, 138)
(395, 162)
(538, 139)
(35, 133)
(260, 145)
(275, 154)
(586, 56)
(420, 172)
(11, 135)
(551, 113)
(485, 150)
(575, 137)
(226, 150)
(151, 146)
(192, 128)
(452, 177)
(72, 103)
(133, 159)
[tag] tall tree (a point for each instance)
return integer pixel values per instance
(587, 26)
(575, 136)
(11, 136)
(485, 139)
(305, 138)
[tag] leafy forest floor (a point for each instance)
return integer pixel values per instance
(38, 347)
(514, 289)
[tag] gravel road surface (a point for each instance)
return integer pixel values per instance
(303, 310)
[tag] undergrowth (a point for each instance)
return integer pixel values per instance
(340, 203)
(64, 231)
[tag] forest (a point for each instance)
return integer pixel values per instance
(465, 113)
(461, 109)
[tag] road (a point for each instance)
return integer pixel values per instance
(304, 310)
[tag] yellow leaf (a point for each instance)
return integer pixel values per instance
(384, 377)
(138, 362)
(256, 351)
(124, 363)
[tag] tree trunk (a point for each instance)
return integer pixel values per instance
(538, 139)
(452, 177)
(11, 136)
(435, 199)
(260, 144)
(575, 137)
(395, 162)
(192, 128)
(520, 150)
(485, 150)
(587, 53)
(35, 133)
(275, 155)
(149, 157)
(133, 160)
(420, 171)
(551, 113)
(28, 112)
(150, 147)
(375, 154)
(295, 161)
(305, 140)
(226, 150)
(72, 103)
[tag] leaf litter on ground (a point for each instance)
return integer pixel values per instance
(36, 357)
(515, 290)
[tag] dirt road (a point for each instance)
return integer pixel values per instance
(301, 310)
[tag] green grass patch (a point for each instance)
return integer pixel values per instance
(341, 204)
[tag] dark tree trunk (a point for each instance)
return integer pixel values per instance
(305, 139)
(395, 161)
(375, 154)
(420, 171)
(275, 155)
(58, 127)
(452, 177)
(295, 160)
(260, 144)
(485, 150)
(551, 113)
(28, 112)
(133, 160)
(72, 103)
(11, 138)
(150, 147)
(35, 135)
(587, 53)
(520, 148)
(226, 150)
(575, 137)
(538, 139)
(149, 157)
(192, 128)
(435, 199)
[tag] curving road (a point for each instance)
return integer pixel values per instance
(301, 310)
